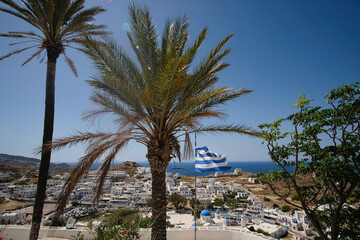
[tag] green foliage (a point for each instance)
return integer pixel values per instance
(275, 205)
(121, 224)
(118, 179)
(323, 148)
(122, 216)
(232, 203)
(199, 207)
(219, 202)
(21, 183)
(231, 194)
(262, 232)
(146, 222)
(90, 216)
(286, 208)
(112, 232)
(169, 225)
(266, 199)
(251, 228)
(74, 203)
(178, 200)
(295, 198)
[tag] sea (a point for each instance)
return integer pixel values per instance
(187, 168)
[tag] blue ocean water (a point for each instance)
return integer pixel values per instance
(187, 168)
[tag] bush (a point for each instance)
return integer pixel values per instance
(295, 198)
(251, 228)
(286, 208)
(146, 222)
(275, 205)
(262, 232)
(122, 216)
(267, 199)
(110, 232)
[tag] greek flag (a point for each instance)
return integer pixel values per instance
(206, 160)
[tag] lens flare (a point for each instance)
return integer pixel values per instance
(149, 68)
(125, 27)
(137, 47)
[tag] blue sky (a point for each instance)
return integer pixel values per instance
(281, 49)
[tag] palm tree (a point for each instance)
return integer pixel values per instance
(58, 23)
(157, 102)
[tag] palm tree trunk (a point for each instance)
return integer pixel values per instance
(47, 137)
(158, 160)
(159, 203)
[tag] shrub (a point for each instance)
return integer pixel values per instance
(121, 216)
(251, 228)
(262, 232)
(295, 198)
(110, 232)
(286, 208)
(146, 222)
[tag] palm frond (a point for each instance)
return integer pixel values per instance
(105, 167)
(37, 53)
(188, 148)
(71, 64)
(16, 52)
(79, 137)
(143, 34)
(21, 12)
(240, 129)
(174, 39)
(78, 171)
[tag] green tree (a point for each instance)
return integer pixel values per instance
(157, 102)
(219, 202)
(199, 207)
(58, 24)
(178, 200)
(232, 203)
(324, 149)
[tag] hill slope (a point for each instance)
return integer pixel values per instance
(128, 166)
(31, 163)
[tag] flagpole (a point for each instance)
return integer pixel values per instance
(195, 213)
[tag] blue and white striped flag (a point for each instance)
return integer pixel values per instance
(206, 160)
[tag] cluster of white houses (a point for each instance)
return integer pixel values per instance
(136, 190)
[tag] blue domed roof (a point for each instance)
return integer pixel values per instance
(205, 213)
(226, 217)
(217, 212)
(194, 224)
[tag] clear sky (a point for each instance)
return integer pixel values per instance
(281, 49)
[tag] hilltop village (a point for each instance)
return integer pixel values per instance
(223, 203)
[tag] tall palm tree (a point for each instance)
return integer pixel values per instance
(157, 102)
(58, 24)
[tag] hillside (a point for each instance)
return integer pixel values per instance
(26, 163)
(128, 166)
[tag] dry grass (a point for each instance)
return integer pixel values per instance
(12, 204)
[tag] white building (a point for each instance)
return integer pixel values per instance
(13, 217)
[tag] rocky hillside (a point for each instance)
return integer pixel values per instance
(30, 163)
(128, 166)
